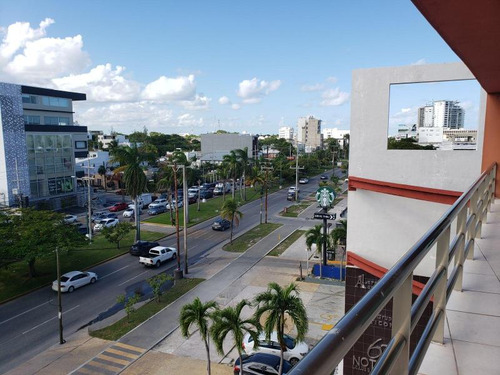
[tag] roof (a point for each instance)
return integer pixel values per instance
(55, 93)
(472, 31)
(70, 274)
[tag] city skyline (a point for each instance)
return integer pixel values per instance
(197, 67)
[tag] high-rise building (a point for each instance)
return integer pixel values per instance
(286, 132)
(441, 114)
(38, 146)
(309, 133)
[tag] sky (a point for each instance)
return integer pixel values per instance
(200, 66)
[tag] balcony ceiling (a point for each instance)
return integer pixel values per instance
(472, 30)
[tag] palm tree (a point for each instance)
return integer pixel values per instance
(102, 172)
(165, 183)
(339, 236)
(232, 162)
(229, 320)
(224, 172)
(130, 159)
(279, 303)
(244, 164)
(229, 211)
(315, 236)
(198, 313)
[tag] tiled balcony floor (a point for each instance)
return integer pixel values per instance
(472, 330)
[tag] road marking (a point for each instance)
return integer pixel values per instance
(55, 317)
(130, 347)
(109, 274)
(113, 359)
(25, 312)
(121, 353)
(133, 278)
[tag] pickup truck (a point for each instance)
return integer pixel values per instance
(157, 255)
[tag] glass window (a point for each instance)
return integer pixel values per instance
(30, 99)
(81, 145)
(33, 188)
(55, 102)
(67, 141)
(55, 120)
(31, 120)
(30, 143)
(59, 141)
(39, 144)
(48, 140)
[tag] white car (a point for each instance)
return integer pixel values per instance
(180, 204)
(70, 219)
(75, 279)
(294, 352)
(129, 212)
(106, 223)
(291, 189)
(160, 202)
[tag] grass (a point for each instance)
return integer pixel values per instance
(250, 238)
(125, 325)
(14, 278)
(295, 210)
(208, 210)
(285, 244)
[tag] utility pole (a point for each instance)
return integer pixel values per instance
(89, 200)
(186, 218)
(297, 168)
(267, 169)
(59, 302)
(178, 271)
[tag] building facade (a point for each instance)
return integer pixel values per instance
(286, 132)
(215, 146)
(39, 145)
(309, 133)
(441, 114)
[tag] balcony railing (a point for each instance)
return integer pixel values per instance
(469, 211)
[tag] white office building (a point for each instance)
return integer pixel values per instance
(286, 132)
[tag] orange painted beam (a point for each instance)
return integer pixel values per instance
(491, 149)
(406, 191)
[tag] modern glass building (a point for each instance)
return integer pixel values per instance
(38, 146)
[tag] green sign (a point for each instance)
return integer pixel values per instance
(325, 196)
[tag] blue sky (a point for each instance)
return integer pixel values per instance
(188, 66)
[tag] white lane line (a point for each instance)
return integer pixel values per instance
(55, 317)
(109, 274)
(25, 312)
(135, 277)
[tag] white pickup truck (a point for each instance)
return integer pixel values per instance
(157, 255)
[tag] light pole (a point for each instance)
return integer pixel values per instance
(59, 302)
(89, 200)
(297, 173)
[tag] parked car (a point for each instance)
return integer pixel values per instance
(160, 202)
(70, 219)
(206, 193)
(208, 185)
(156, 210)
(81, 228)
(172, 206)
(118, 207)
(323, 177)
(142, 247)
(75, 279)
(304, 180)
(193, 192)
(261, 363)
(158, 255)
(106, 223)
(129, 212)
(110, 215)
(221, 224)
(98, 216)
(295, 351)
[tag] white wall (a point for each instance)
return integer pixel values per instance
(382, 227)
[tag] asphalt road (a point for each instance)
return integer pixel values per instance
(29, 324)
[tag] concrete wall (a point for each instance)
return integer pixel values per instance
(383, 227)
(215, 146)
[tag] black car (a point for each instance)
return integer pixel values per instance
(290, 196)
(157, 210)
(261, 363)
(323, 177)
(221, 224)
(141, 248)
(110, 215)
(206, 193)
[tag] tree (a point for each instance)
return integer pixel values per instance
(102, 172)
(279, 304)
(130, 159)
(229, 320)
(233, 164)
(315, 236)
(245, 167)
(128, 303)
(118, 232)
(156, 283)
(34, 235)
(198, 313)
(229, 211)
(166, 183)
(339, 234)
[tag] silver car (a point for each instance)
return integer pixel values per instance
(75, 279)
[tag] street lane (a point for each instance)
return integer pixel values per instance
(29, 324)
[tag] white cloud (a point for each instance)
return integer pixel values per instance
(419, 62)
(405, 110)
(312, 88)
(198, 103)
(165, 88)
(188, 119)
(332, 79)
(252, 91)
(235, 106)
(334, 97)
(223, 100)
(101, 84)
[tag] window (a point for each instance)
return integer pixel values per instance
(29, 99)
(55, 120)
(55, 102)
(31, 120)
(81, 145)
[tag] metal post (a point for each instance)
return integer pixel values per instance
(442, 251)
(178, 271)
(186, 213)
(59, 301)
(459, 254)
(89, 200)
(472, 229)
(199, 194)
(325, 228)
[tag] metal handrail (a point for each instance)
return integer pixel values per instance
(332, 348)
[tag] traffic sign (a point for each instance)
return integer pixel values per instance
(323, 215)
(325, 196)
